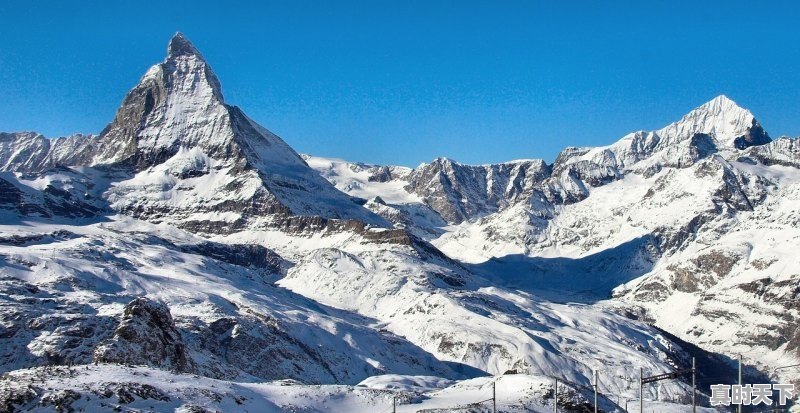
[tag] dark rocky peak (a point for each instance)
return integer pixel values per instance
(181, 49)
(754, 136)
(179, 45)
(177, 103)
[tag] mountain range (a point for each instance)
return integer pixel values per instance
(188, 259)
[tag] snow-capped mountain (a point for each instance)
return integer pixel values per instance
(179, 154)
(32, 152)
(688, 225)
(461, 192)
(186, 239)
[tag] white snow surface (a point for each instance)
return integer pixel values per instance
(97, 388)
(551, 271)
(666, 211)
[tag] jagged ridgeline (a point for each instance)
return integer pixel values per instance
(181, 155)
(187, 244)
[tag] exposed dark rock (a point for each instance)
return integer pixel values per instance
(258, 345)
(72, 330)
(52, 201)
(670, 240)
(652, 291)
(762, 263)
(33, 239)
(128, 392)
(460, 192)
(11, 198)
(146, 336)
(719, 263)
(701, 146)
(755, 136)
(381, 174)
(246, 255)
(12, 397)
(61, 401)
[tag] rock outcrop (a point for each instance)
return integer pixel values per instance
(146, 336)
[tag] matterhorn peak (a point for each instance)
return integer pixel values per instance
(179, 45)
(175, 123)
(177, 103)
(186, 62)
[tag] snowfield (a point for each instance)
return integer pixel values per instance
(111, 388)
(188, 260)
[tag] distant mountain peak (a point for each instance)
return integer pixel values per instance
(179, 45)
(722, 105)
(731, 125)
(721, 99)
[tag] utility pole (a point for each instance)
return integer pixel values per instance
(641, 390)
(394, 404)
(740, 378)
(595, 391)
(494, 396)
(694, 387)
(555, 396)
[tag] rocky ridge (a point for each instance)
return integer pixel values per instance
(187, 237)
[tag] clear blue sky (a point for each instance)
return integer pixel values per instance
(402, 82)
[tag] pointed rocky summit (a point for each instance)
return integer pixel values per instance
(179, 45)
(174, 130)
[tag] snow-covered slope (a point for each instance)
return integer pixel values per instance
(105, 387)
(384, 191)
(649, 217)
(124, 291)
(186, 237)
(460, 318)
(67, 288)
